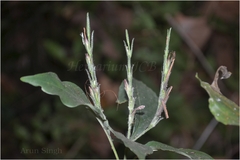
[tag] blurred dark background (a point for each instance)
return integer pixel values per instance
(44, 36)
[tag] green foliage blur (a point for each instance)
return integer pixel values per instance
(44, 36)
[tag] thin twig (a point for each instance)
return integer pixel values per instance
(206, 133)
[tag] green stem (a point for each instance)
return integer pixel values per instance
(94, 88)
(165, 77)
(163, 87)
(128, 85)
(107, 132)
(164, 82)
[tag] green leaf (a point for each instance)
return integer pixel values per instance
(70, 94)
(192, 154)
(223, 109)
(144, 96)
(139, 149)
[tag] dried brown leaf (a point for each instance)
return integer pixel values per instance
(225, 74)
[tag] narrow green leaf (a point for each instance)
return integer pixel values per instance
(70, 94)
(192, 154)
(127, 39)
(139, 149)
(88, 28)
(223, 109)
(144, 96)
